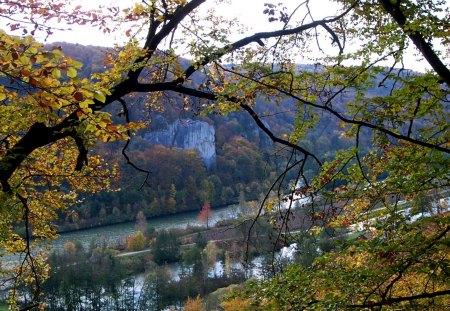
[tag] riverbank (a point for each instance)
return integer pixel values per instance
(117, 234)
(64, 228)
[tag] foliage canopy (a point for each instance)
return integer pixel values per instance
(50, 118)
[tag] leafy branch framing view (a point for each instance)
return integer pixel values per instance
(398, 121)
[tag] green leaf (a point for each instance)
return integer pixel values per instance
(71, 72)
(100, 96)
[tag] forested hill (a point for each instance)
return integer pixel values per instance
(192, 158)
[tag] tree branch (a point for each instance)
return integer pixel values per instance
(391, 301)
(40, 135)
(353, 121)
(173, 86)
(154, 39)
(124, 149)
(419, 41)
(257, 38)
(37, 136)
(82, 152)
(275, 138)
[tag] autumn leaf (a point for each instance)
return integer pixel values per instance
(78, 96)
(71, 72)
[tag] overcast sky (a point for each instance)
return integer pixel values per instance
(248, 12)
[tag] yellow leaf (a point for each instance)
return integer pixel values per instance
(25, 60)
(56, 73)
(46, 82)
(86, 103)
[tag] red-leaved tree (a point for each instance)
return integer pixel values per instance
(205, 213)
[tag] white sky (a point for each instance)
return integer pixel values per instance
(248, 12)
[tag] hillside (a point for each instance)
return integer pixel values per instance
(193, 158)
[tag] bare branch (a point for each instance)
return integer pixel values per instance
(124, 149)
(275, 138)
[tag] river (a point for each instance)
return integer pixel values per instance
(112, 234)
(119, 232)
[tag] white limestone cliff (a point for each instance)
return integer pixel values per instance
(188, 134)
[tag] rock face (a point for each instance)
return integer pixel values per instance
(187, 134)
